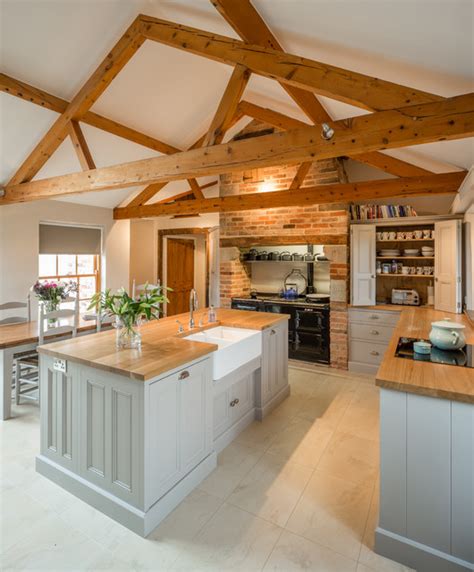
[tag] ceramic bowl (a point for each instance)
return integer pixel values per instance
(422, 347)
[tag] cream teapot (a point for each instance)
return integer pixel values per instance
(447, 335)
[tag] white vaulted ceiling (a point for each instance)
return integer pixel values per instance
(56, 44)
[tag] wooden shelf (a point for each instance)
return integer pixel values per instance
(405, 257)
(431, 276)
(407, 240)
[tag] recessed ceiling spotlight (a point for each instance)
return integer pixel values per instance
(327, 132)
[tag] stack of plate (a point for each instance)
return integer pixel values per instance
(389, 252)
(411, 252)
(427, 251)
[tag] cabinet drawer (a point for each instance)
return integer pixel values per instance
(374, 316)
(366, 352)
(373, 332)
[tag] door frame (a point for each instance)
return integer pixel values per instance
(200, 231)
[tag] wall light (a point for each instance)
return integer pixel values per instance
(266, 187)
(327, 132)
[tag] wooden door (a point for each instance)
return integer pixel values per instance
(448, 266)
(363, 264)
(179, 274)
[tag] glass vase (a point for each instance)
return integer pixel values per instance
(127, 335)
(51, 306)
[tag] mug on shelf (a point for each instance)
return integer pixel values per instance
(392, 235)
(400, 236)
(412, 269)
(409, 235)
(405, 270)
(418, 234)
(385, 235)
(427, 234)
(419, 270)
(379, 235)
(432, 234)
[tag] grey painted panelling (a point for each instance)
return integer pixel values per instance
(53, 408)
(429, 471)
(122, 431)
(96, 427)
(462, 510)
(393, 468)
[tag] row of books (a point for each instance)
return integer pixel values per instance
(370, 212)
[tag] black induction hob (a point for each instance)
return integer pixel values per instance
(463, 357)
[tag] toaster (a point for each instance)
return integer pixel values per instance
(407, 297)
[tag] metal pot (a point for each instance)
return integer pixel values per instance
(309, 257)
(274, 256)
(262, 255)
(251, 254)
(285, 256)
(320, 298)
(296, 256)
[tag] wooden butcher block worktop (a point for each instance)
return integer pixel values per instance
(426, 378)
(163, 349)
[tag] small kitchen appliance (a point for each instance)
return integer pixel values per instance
(405, 297)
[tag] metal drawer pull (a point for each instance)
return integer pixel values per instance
(374, 353)
(374, 317)
(374, 332)
(183, 375)
(234, 402)
(272, 332)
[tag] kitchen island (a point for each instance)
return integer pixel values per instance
(427, 454)
(132, 432)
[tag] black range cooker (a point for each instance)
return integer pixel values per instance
(308, 326)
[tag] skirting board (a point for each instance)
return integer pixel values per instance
(142, 523)
(418, 556)
(262, 412)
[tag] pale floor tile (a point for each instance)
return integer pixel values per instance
(172, 538)
(302, 442)
(49, 494)
(232, 540)
(293, 553)
(261, 435)
(333, 512)
(271, 489)
(361, 421)
(350, 457)
(52, 545)
(232, 464)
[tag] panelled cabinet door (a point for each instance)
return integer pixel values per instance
(363, 251)
(448, 266)
(274, 360)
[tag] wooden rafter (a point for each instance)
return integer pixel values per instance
(300, 175)
(115, 60)
(452, 118)
(80, 146)
(310, 75)
(342, 192)
(227, 106)
(376, 159)
(250, 26)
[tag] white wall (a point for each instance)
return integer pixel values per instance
(19, 243)
(469, 260)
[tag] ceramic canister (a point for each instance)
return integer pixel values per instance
(447, 335)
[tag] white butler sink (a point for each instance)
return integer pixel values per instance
(236, 347)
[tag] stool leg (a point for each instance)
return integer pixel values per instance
(17, 383)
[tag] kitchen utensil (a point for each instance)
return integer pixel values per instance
(409, 236)
(447, 335)
(400, 236)
(297, 277)
(411, 252)
(422, 347)
(418, 233)
(427, 234)
(285, 255)
(392, 235)
(321, 258)
(320, 298)
(405, 270)
(379, 235)
(297, 256)
(419, 270)
(251, 254)
(262, 255)
(291, 291)
(309, 257)
(385, 236)
(274, 255)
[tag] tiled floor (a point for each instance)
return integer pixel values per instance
(296, 492)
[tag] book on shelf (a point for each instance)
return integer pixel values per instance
(372, 212)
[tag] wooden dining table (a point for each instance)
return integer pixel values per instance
(16, 338)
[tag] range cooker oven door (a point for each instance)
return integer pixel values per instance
(276, 308)
(313, 347)
(312, 319)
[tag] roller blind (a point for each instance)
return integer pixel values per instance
(56, 239)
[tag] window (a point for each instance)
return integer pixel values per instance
(84, 269)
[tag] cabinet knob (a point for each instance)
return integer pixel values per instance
(272, 332)
(374, 332)
(183, 375)
(374, 317)
(374, 353)
(234, 402)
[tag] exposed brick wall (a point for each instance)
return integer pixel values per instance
(287, 223)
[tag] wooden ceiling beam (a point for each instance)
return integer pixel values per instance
(452, 118)
(376, 159)
(227, 106)
(300, 175)
(115, 60)
(310, 75)
(80, 146)
(342, 192)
